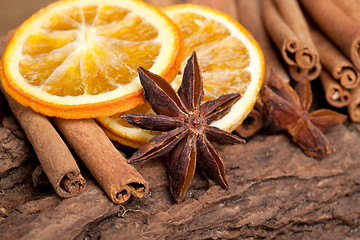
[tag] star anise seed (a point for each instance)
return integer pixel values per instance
(185, 127)
(289, 110)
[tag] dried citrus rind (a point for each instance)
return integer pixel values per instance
(78, 58)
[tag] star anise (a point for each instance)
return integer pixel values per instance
(185, 125)
(289, 110)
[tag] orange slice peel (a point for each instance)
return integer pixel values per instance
(78, 58)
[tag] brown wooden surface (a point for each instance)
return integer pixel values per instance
(275, 192)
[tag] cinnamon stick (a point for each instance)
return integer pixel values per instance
(119, 179)
(252, 123)
(305, 74)
(335, 95)
(282, 35)
(335, 62)
(307, 56)
(337, 25)
(55, 158)
(354, 106)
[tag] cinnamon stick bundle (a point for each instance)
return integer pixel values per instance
(55, 158)
(288, 29)
(119, 179)
(354, 106)
(337, 25)
(335, 62)
(352, 9)
(335, 95)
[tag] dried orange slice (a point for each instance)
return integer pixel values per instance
(78, 58)
(230, 61)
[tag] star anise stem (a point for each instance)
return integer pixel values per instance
(185, 126)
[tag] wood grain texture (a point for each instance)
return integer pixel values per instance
(275, 191)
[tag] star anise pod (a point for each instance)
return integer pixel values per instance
(289, 110)
(185, 125)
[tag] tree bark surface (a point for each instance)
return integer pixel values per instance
(275, 192)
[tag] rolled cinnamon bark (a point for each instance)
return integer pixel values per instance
(304, 74)
(250, 17)
(354, 106)
(252, 124)
(337, 25)
(307, 56)
(119, 179)
(335, 95)
(282, 35)
(55, 158)
(335, 62)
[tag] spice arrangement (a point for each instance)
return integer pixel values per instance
(222, 191)
(179, 114)
(81, 66)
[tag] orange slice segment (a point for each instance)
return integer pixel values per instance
(78, 58)
(230, 60)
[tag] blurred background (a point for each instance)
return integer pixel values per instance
(14, 12)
